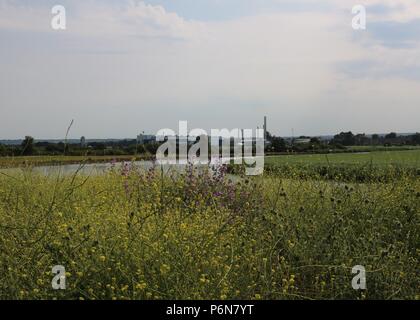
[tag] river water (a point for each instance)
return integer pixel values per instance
(100, 168)
(93, 168)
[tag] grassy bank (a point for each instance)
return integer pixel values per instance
(132, 234)
(9, 162)
(405, 158)
(368, 167)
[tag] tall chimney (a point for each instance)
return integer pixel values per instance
(265, 128)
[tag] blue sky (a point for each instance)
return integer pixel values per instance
(219, 10)
(215, 10)
(125, 66)
(396, 34)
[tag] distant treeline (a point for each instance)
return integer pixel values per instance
(302, 144)
(340, 141)
(122, 147)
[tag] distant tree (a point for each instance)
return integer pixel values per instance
(315, 140)
(415, 138)
(152, 147)
(336, 145)
(54, 148)
(98, 146)
(278, 144)
(345, 139)
(28, 146)
(3, 150)
(391, 135)
(141, 149)
(361, 139)
(268, 136)
(83, 142)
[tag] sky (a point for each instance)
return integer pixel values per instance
(123, 67)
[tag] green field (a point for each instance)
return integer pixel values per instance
(135, 234)
(293, 233)
(409, 158)
(382, 148)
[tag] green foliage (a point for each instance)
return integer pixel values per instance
(3, 150)
(278, 144)
(135, 234)
(406, 158)
(28, 146)
(345, 139)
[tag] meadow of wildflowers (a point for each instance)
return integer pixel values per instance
(202, 234)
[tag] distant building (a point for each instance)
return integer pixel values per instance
(145, 138)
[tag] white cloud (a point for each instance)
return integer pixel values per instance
(15, 16)
(395, 10)
(93, 18)
(280, 64)
(133, 18)
(399, 10)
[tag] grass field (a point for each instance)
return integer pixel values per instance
(409, 158)
(382, 148)
(134, 234)
(381, 166)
